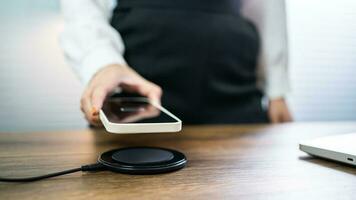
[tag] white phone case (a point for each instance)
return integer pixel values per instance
(129, 128)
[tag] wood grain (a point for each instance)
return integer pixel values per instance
(225, 162)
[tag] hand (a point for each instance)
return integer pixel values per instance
(278, 111)
(107, 80)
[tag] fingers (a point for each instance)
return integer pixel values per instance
(278, 111)
(273, 116)
(280, 117)
(91, 103)
(286, 116)
(143, 87)
(97, 98)
(97, 90)
(85, 103)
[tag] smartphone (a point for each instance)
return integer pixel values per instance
(127, 113)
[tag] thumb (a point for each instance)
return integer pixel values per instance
(151, 91)
(143, 87)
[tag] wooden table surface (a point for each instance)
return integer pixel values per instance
(224, 162)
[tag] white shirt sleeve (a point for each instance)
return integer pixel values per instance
(269, 16)
(88, 41)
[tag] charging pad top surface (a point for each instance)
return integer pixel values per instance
(143, 160)
(142, 156)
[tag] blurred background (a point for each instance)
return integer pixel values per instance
(39, 92)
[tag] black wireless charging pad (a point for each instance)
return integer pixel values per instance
(143, 160)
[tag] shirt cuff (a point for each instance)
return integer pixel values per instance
(97, 59)
(277, 84)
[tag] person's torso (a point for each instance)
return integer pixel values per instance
(203, 54)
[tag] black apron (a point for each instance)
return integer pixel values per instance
(202, 53)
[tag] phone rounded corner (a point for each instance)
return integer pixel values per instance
(179, 126)
(107, 124)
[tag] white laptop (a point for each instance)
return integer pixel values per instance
(340, 148)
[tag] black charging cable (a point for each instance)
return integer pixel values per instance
(84, 168)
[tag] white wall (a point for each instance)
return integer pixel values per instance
(37, 91)
(322, 35)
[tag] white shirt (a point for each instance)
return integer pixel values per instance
(89, 41)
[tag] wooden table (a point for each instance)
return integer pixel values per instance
(225, 162)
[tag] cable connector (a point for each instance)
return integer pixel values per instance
(92, 167)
